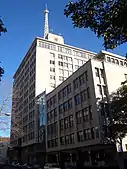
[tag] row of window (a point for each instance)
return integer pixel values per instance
(51, 102)
(28, 137)
(52, 129)
(65, 91)
(65, 65)
(66, 58)
(52, 115)
(65, 50)
(65, 106)
(83, 96)
(84, 115)
(116, 61)
(80, 80)
(87, 134)
(68, 139)
(66, 123)
(53, 143)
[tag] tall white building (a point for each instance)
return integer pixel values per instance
(48, 62)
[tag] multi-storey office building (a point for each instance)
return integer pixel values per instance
(77, 111)
(48, 62)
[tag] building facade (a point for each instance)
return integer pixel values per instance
(4, 142)
(78, 113)
(48, 62)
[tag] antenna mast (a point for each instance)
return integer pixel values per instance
(46, 25)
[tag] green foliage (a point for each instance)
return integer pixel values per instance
(2, 28)
(118, 107)
(106, 18)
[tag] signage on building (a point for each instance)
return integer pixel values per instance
(41, 101)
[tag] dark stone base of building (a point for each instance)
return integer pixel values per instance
(33, 154)
(83, 157)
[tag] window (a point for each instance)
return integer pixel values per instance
(52, 77)
(61, 124)
(88, 93)
(69, 59)
(108, 59)
(97, 72)
(71, 120)
(87, 133)
(86, 76)
(90, 113)
(66, 123)
(60, 56)
(66, 65)
(69, 88)
(116, 61)
(61, 109)
(65, 57)
(70, 73)
(76, 67)
(125, 76)
(70, 66)
(104, 90)
(121, 63)
(83, 96)
(66, 73)
(66, 139)
(62, 140)
(52, 62)
(82, 79)
(72, 139)
(65, 106)
(125, 63)
(52, 54)
(55, 113)
(61, 78)
(76, 83)
(78, 117)
(60, 63)
(52, 69)
(60, 95)
(61, 72)
(80, 136)
(92, 133)
(64, 92)
(80, 62)
(99, 89)
(126, 146)
(77, 99)
(112, 60)
(102, 73)
(85, 113)
(96, 132)
(52, 85)
(69, 104)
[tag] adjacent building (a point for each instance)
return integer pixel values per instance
(4, 142)
(78, 113)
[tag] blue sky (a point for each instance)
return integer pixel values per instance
(24, 20)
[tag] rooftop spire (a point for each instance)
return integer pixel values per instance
(46, 26)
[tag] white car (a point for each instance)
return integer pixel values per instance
(51, 166)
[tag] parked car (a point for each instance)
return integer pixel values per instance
(51, 166)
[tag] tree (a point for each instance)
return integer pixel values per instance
(106, 18)
(5, 110)
(118, 108)
(2, 28)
